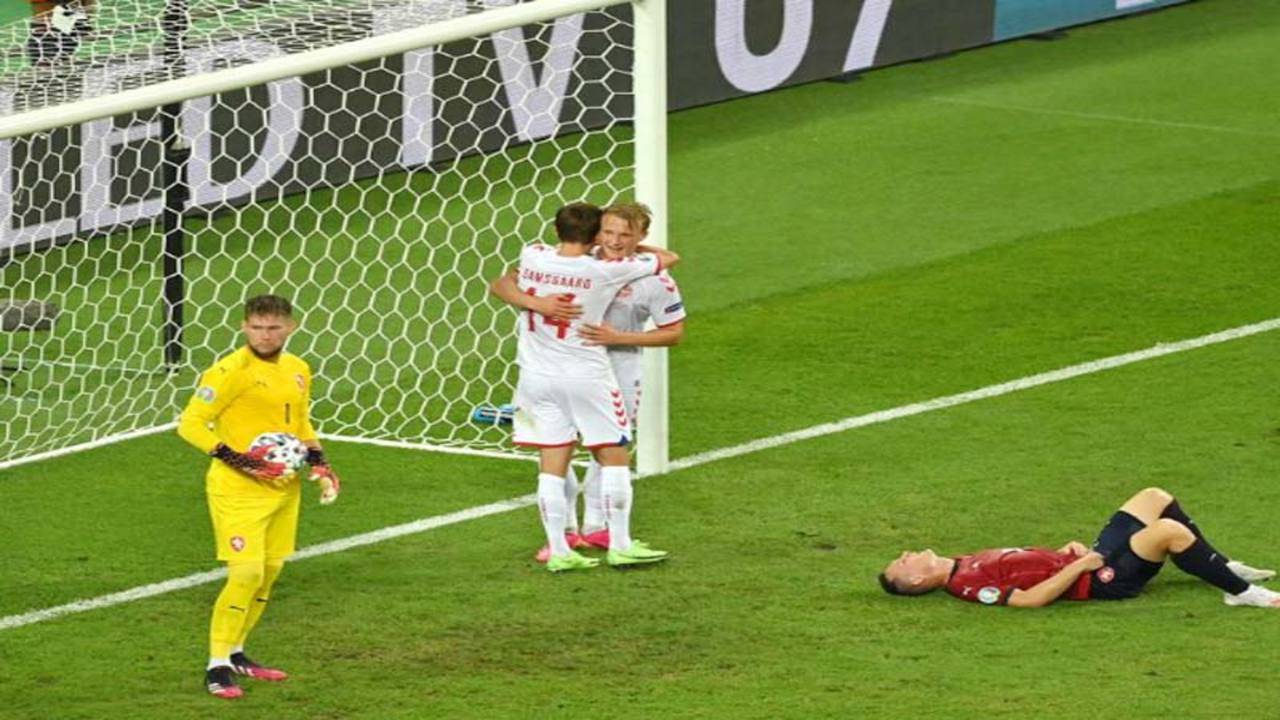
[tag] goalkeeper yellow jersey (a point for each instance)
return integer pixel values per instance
(238, 399)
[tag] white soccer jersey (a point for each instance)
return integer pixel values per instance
(656, 297)
(555, 348)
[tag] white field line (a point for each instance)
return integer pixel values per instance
(108, 440)
(333, 546)
(425, 524)
(1105, 117)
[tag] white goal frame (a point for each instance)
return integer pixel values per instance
(650, 138)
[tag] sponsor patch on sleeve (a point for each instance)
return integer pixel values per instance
(206, 394)
(989, 595)
(673, 308)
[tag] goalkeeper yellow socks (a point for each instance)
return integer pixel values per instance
(270, 571)
(231, 609)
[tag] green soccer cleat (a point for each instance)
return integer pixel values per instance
(637, 554)
(572, 561)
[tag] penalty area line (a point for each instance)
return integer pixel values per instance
(516, 503)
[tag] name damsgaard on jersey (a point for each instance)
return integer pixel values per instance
(544, 278)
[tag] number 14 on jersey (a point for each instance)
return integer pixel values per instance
(561, 326)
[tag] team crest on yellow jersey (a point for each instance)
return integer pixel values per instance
(302, 382)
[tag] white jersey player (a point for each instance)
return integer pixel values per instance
(551, 352)
(656, 298)
(566, 389)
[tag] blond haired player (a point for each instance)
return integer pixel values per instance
(623, 227)
(567, 391)
(257, 389)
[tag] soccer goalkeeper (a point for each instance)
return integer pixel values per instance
(256, 389)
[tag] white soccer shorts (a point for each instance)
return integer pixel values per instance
(628, 371)
(554, 412)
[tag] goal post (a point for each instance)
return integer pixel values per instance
(376, 162)
(650, 78)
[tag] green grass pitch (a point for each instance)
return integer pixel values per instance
(934, 228)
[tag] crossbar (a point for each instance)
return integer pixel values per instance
(303, 63)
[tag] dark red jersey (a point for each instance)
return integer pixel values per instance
(989, 576)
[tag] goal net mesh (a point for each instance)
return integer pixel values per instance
(380, 197)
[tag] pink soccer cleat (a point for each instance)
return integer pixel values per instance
(242, 665)
(599, 539)
(576, 542)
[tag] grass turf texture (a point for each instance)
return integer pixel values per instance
(856, 279)
(14, 11)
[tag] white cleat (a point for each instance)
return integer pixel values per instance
(1255, 596)
(1249, 574)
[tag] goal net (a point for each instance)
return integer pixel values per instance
(375, 161)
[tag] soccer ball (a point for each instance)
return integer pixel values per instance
(285, 449)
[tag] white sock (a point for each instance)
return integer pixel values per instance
(237, 649)
(551, 508)
(571, 501)
(615, 482)
(593, 519)
(218, 662)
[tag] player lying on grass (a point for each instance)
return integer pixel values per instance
(1130, 550)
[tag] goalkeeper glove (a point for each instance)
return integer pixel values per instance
(253, 463)
(330, 486)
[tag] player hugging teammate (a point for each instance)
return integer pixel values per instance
(596, 288)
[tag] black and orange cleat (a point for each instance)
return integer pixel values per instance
(221, 683)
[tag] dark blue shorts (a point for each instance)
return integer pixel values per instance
(1124, 574)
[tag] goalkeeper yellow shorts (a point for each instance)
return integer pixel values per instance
(255, 528)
